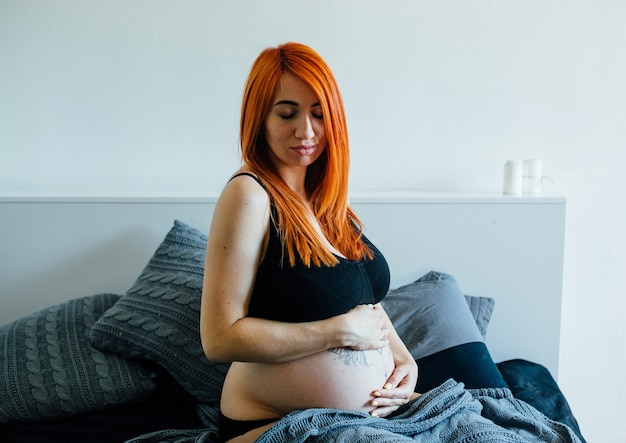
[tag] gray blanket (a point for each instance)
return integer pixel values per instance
(447, 414)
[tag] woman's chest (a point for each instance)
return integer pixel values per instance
(297, 294)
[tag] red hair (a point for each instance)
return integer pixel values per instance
(327, 178)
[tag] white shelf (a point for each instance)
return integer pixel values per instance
(394, 197)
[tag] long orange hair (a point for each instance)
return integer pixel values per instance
(326, 180)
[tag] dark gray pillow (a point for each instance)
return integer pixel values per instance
(48, 368)
(158, 319)
(432, 314)
(481, 309)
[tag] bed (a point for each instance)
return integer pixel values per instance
(100, 342)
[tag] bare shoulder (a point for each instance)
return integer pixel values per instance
(244, 193)
(243, 206)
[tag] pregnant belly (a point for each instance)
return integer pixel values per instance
(338, 378)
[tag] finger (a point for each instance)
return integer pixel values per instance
(391, 401)
(388, 391)
(384, 411)
(386, 396)
(384, 407)
(384, 392)
(396, 378)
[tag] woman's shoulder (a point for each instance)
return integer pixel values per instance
(245, 191)
(244, 173)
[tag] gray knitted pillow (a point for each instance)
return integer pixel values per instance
(481, 309)
(158, 319)
(48, 368)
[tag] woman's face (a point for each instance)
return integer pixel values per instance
(294, 127)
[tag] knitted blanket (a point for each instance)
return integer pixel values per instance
(446, 414)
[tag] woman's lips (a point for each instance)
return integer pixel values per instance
(304, 150)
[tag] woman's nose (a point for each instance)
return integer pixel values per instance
(305, 131)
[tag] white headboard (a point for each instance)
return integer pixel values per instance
(507, 248)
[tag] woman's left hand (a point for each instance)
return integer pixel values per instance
(398, 390)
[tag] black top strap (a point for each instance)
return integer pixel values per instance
(250, 175)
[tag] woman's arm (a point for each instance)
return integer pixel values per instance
(400, 386)
(236, 244)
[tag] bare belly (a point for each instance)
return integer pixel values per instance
(338, 378)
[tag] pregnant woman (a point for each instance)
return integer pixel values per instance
(292, 286)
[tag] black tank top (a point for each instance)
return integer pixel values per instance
(300, 293)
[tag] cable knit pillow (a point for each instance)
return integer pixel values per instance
(432, 314)
(481, 309)
(48, 368)
(158, 319)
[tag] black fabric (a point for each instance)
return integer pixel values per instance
(535, 385)
(170, 408)
(230, 428)
(250, 175)
(470, 364)
(301, 293)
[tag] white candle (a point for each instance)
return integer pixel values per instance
(512, 184)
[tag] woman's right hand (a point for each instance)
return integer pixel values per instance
(364, 328)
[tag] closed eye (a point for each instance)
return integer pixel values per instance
(287, 116)
(287, 109)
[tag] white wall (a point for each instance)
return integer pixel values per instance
(141, 98)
